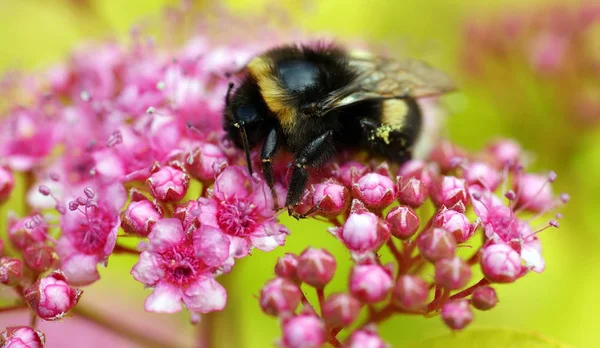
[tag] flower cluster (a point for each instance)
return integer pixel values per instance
(556, 43)
(128, 142)
(123, 144)
(484, 203)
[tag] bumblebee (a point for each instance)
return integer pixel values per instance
(315, 100)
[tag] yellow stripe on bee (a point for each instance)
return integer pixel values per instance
(394, 112)
(260, 68)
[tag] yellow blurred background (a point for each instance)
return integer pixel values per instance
(561, 303)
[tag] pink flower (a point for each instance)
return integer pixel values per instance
(484, 298)
(375, 190)
(480, 173)
(26, 231)
(22, 337)
(436, 244)
(449, 192)
(243, 210)
(452, 273)
(456, 223)
(11, 270)
(316, 267)
(330, 197)
(363, 231)
(365, 339)
(39, 257)
(534, 192)
(168, 184)
(287, 267)
(7, 183)
(403, 222)
(52, 297)
(370, 283)
(279, 297)
(177, 274)
(139, 217)
(204, 161)
(457, 314)
(410, 292)
(26, 138)
(303, 331)
(505, 153)
(89, 234)
(350, 172)
(500, 263)
(341, 309)
(411, 191)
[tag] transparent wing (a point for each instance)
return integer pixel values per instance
(383, 78)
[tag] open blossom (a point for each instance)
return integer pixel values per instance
(171, 266)
(243, 210)
(89, 233)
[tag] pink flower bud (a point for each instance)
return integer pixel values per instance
(348, 173)
(316, 267)
(449, 191)
(436, 244)
(365, 338)
(457, 314)
(11, 270)
(480, 173)
(331, 198)
(39, 257)
(188, 213)
(504, 152)
(410, 292)
(25, 231)
(370, 283)
(484, 298)
(363, 232)
(287, 267)
(303, 331)
(500, 263)
(51, 297)
(139, 217)
(456, 223)
(22, 337)
(7, 183)
(418, 170)
(280, 296)
(534, 192)
(168, 184)
(340, 309)
(452, 273)
(204, 161)
(411, 192)
(375, 190)
(403, 222)
(446, 154)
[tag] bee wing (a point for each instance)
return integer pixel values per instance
(383, 78)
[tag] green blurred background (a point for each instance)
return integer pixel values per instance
(561, 303)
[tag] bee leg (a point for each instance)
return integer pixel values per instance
(315, 153)
(269, 149)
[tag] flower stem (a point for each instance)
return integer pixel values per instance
(121, 249)
(395, 251)
(321, 296)
(145, 339)
(468, 291)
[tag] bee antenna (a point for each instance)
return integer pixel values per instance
(246, 147)
(229, 88)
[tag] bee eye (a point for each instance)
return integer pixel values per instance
(298, 75)
(246, 114)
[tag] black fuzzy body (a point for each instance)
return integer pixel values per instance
(298, 78)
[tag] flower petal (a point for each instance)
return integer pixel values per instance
(233, 181)
(206, 295)
(147, 270)
(269, 236)
(165, 298)
(166, 233)
(80, 269)
(211, 245)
